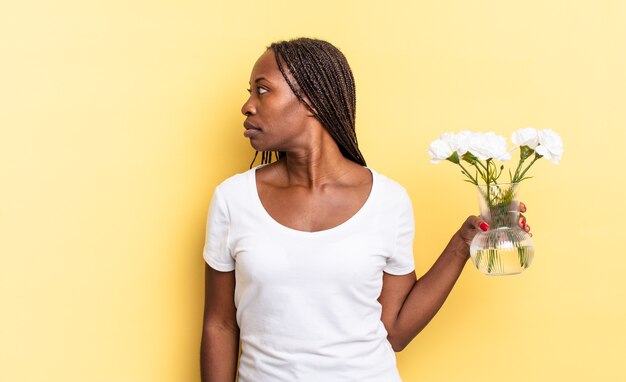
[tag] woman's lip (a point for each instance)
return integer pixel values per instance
(251, 132)
(249, 125)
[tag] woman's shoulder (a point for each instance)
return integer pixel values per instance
(235, 183)
(391, 195)
(389, 185)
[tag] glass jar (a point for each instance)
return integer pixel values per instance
(505, 249)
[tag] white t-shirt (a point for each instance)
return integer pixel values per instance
(307, 302)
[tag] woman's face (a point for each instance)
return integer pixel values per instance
(276, 119)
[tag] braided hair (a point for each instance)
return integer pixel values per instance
(322, 76)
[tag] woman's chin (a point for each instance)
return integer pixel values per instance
(260, 146)
(257, 146)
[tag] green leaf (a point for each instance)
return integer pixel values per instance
(525, 152)
(454, 158)
(469, 158)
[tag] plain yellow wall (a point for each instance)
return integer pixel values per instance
(118, 119)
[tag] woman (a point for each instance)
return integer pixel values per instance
(310, 258)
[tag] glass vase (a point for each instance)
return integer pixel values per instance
(505, 249)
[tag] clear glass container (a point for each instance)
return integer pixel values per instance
(505, 249)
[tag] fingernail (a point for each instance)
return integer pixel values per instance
(484, 226)
(523, 222)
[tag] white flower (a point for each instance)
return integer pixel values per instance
(525, 137)
(550, 145)
(488, 145)
(450, 139)
(463, 139)
(441, 148)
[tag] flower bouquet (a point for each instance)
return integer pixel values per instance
(505, 248)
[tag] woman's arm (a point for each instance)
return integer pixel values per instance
(219, 349)
(410, 304)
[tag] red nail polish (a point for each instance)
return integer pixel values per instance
(484, 226)
(523, 222)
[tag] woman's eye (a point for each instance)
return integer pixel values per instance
(259, 90)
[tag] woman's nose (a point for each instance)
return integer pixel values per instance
(248, 108)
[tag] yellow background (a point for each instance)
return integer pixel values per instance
(118, 119)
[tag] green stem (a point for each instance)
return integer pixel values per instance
(488, 186)
(524, 172)
(519, 166)
(468, 174)
(481, 164)
(485, 178)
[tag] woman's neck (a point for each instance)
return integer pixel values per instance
(319, 163)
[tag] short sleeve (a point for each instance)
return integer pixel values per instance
(216, 249)
(401, 261)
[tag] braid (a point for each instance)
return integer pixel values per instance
(322, 76)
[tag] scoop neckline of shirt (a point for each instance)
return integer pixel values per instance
(339, 227)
